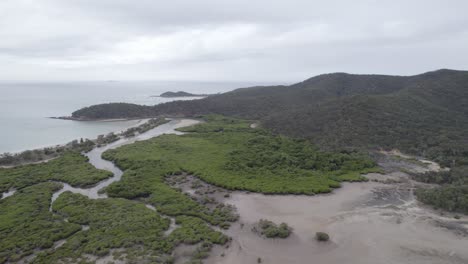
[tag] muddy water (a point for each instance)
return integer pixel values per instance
(368, 222)
(97, 161)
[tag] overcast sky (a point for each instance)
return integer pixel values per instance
(240, 40)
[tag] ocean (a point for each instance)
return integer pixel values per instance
(26, 106)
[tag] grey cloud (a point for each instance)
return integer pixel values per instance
(219, 39)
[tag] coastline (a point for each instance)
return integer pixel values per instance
(83, 119)
(35, 162)
(40, 147)
(71, 118)
(50, 152)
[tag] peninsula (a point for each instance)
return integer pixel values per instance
(181, 94)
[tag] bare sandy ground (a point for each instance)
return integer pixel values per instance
(369, 222)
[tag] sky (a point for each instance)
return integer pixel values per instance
(219, 40)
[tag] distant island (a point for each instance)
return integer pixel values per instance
(180, 94)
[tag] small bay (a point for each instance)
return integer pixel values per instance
(26, 106)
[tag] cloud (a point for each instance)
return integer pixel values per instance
(227, 40)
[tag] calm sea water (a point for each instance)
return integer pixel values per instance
(24, 108)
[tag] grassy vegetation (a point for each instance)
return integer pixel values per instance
(194, 230)
(27, 225)
(227, 153)
(71, 168)
(126, 225)
(145, 180)
(113, 223)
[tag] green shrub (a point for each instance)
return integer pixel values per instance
(321, 236)
(271, 230)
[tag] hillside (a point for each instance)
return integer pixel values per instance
(425, 114)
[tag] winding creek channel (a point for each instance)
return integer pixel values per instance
(95, 158)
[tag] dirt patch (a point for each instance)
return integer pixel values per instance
(379, 221)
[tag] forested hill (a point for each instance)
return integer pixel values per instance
(425, 114)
